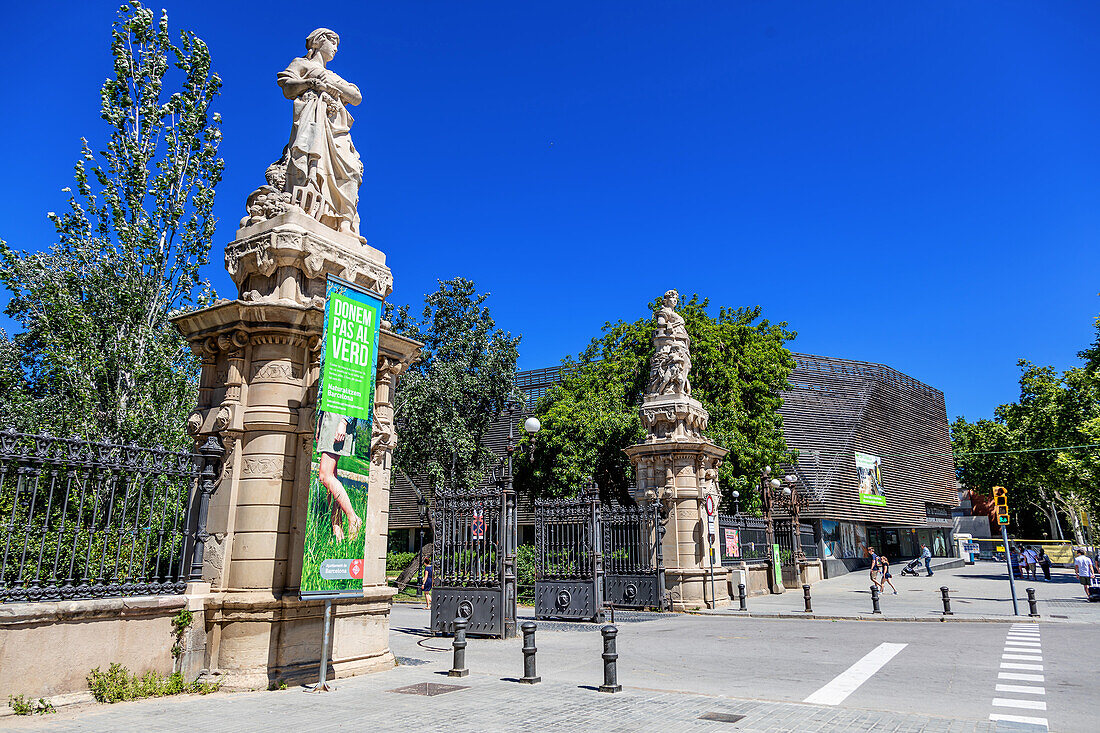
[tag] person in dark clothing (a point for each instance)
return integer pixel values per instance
(884, 564)
(426, 586)
(1044, 563)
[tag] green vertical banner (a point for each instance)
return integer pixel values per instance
(335, 543)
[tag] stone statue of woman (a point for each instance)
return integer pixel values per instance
(323, 170)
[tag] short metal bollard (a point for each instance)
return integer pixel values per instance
(874, 600)
(741, 596)
(806, 596)
(529, 677)
(1031, 601)
(946, 601)
(610, 657)
(459, 669)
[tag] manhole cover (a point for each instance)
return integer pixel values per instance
(428, 689)
(722, 717)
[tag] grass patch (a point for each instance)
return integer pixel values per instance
(118, 684)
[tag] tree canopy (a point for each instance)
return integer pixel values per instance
(448, 398)
(739, 366)
(1041, 448)
(97, 355)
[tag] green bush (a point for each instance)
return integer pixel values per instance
(118, 684)
(525, 573)
(398, 561)
(22, 706)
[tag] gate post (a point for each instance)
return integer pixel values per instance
(597, 551)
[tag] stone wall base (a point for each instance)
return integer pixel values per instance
(691, 588)
(47, 649)
(256, 639)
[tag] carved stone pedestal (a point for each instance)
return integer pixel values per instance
(679, 470)
(258, 388)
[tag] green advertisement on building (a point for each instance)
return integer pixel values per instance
(334, 547)
(869, 474)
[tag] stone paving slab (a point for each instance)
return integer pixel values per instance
(486, 703)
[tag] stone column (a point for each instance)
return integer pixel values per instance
(258, 388)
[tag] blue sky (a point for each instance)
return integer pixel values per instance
(916, 184)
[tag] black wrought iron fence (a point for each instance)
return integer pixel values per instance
(90, 520)
(742, 537)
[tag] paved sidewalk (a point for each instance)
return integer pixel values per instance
(978, 592)
(484, 702)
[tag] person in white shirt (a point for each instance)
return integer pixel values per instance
(1031, 560)
(1082, 566)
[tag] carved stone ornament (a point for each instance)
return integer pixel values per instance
(671, 362)
(222, 419)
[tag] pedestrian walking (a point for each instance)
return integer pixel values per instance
(1031, 559)
(884, 566)
(926, 555)
(1084, 569)
(874, 564)
(1044, 563)
(426, 586)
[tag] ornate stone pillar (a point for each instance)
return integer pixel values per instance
(677, 464)
(258, 392)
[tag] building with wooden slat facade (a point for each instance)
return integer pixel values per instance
(839, 415)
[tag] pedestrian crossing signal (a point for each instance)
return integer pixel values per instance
(1002, 519)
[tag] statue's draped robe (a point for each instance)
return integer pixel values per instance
(322, 159)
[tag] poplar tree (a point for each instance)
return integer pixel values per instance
(97, 356)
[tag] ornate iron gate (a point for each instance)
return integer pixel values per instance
(469, 561)
(568, 559)
(634, 571)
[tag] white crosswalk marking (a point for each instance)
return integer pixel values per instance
(1004, 702)
(1022, 643)
(1023, 689)
(845, 683)
(1021, 677)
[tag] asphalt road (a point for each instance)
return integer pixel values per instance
(948, 670)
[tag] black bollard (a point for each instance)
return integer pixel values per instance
(529, 676)
(946, 601)
(610, 672)
(459, 669)
(741, 596)
(1033, 603)
(874, 600)
(806, 596)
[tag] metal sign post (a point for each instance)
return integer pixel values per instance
(322, 685)
(1008, 562)
(712, 530)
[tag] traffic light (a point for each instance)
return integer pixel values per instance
(1000, 497)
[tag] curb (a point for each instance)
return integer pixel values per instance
(881, 617)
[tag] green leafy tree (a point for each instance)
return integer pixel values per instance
(448, 398)
(739, 365)
(97, 355)
(1026, 449)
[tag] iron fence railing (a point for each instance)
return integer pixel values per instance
(806, 538)
(82, 519)
(747, 536)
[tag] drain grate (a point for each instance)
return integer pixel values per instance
(1054, 615)
(722, 717)
(428, 689)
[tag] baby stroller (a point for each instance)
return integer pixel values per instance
(911, 567)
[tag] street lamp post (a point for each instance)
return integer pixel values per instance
(736, 506)
(511, 522)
